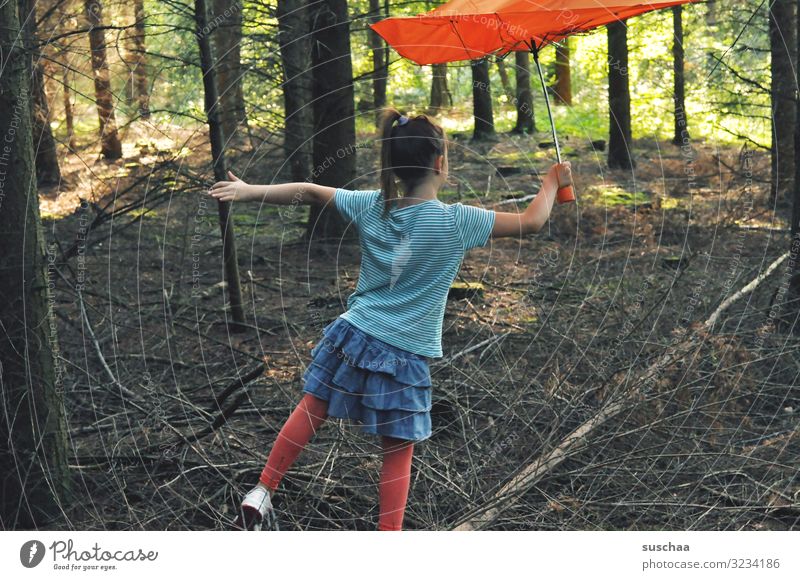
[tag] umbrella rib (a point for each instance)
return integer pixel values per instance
(458, 34)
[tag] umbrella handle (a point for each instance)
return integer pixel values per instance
(566, 194)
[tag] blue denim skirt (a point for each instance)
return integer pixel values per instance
(385, 389)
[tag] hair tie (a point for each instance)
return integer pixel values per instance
(402, 120)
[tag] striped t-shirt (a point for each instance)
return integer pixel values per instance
(409, 259)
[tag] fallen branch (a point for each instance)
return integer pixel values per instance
(483, 515)
(745, 290)
(218, 421)
(515, 199)
(531, 473)
(124, 390)
(240, 382)
(488, 341)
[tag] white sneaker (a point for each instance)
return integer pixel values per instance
(256, 512)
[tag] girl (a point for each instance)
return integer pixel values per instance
(371, 364)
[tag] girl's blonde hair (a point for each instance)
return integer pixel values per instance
(408, 150)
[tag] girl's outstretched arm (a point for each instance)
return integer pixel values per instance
(279, 194)
(538, 211)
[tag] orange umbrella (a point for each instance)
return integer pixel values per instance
(468, 29)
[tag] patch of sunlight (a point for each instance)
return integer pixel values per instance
(615, 195)
(755, 223)
(248, 219)
(142, 212)
(669, 202)
(452, 124)
(510, 157)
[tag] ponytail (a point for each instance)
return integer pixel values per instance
(388, 184)
(408, 150)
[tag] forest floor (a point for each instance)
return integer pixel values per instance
(165, 433)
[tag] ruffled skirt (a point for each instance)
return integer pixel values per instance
(384, 388)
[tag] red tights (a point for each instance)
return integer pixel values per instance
(303, 423)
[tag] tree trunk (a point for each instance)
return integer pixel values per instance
(33, 455)
(62, 47)
(47, 170)
(504, 82)
(334, 150)
(386, 14)
(482, 100)
(783, 48)
(379, 63)
(140, 84)
(226, 35)
(215, 132)
(110, 146)
(295, 45)
(795, 226)
(441, 97)
(619, 98)
(526, 123)
(68, 114)
(563, 86)
(711, 12)
(793, 291)
(681, 135)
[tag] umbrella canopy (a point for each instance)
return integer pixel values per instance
(469, 29)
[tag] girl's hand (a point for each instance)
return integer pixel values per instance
(235, 190)
(563, 172)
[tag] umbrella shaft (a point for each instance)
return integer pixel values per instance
(535, 52)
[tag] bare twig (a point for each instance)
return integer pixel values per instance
(744, 290)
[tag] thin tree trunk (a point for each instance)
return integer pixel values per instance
(68, 114)
(620, 155)
(63, 57)
(441, 97)
(295, 45)
(33, 453)
(563, 86)
(140, 85)
(504, 82)
(795, 225)
(380, 70)
(220, 168)
(681, 122)
(794, 281)
(128, 57)
(47, 170)
(334, 150)
(482, 100)
(226, 33)
(783, 48)
(386, 14)
(110, 146)
(711, 12)
(526, 122)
